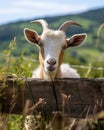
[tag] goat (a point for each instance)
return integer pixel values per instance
(52, 45)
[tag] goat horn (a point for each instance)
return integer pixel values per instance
(42, 22)
(66, 24)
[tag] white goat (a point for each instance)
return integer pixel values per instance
(52, 44)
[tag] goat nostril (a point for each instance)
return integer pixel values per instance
(51, 61)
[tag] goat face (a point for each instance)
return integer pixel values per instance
(52, 45)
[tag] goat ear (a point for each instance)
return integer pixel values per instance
(76, 40)
(31, 36)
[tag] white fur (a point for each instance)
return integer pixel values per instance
(66, 72)
(36, 73)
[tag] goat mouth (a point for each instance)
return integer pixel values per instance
(51, 68)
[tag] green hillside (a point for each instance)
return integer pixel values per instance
(90, 20)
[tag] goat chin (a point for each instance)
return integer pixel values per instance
(66, 72)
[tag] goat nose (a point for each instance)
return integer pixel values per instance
(51, 61)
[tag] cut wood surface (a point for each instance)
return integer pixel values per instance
(86, 95)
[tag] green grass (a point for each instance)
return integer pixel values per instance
(15, 122)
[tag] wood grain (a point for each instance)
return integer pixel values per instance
(86, 94)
